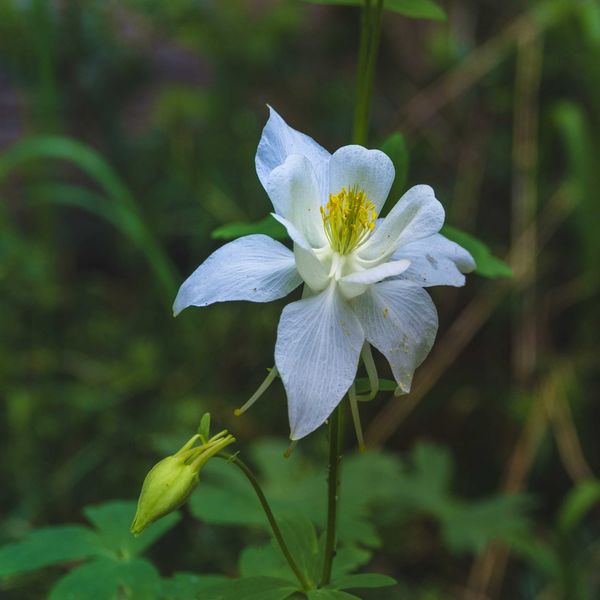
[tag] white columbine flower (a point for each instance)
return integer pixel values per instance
(363, 276)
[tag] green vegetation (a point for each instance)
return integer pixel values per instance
(127, 140)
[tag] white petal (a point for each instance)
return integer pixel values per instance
(369, 170)
(318, 346)
(294, 191)
(312, 270)
(356, 283)
(435, 260)
(279, 140)
(254, 268)
(296, 235)
(400, 320)
(417, 215)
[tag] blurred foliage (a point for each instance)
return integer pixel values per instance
(114, 563)
(372, 483)
(417, 9)
(146, 114)
(378, 491)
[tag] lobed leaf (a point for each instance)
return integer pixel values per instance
(301, 538)
(225, 497)
(330, 594)
(112, 521)
(48, 546)
(188, 586)
(472, 525)
(363, 580)
(265, 561)
(251, 588)
(106, 579)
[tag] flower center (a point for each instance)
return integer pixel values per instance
(348, 219)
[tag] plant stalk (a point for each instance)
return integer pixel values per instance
(370, 34)
(333, 483)
(233, 459)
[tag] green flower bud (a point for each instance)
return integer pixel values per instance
(171, 481)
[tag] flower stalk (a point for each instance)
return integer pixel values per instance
(333, 483)
(341, 252)
(243, 467)
(370, 34)
(367, 59)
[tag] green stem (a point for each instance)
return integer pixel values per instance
(363, 49)
(233, 459)
(333, 483)
(370, 35)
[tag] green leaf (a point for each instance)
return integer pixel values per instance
(416, 9)
(187, 586)
(395, 147)
(329, 594)
(224, 497)
(487, 264)
(265, 561)
(55, 545)
(363, 580)
(49, 546)
(348, 558)
(433, 468)
(301, 538)
(470, 526)
(113, 520)
(425, 488)
(385, 385)
(583, 497)
(268, 226)
(251, 588)
(106, 579)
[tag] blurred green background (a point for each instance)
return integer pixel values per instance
(127, 135)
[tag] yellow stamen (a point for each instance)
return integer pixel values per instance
(348, 219)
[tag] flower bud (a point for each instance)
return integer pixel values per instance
(171, 481)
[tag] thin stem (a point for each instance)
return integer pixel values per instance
(367, 60)
(333, 482)
(367, 357)
(363, 51)
(356, 417)
(258, 393)
(231, 458)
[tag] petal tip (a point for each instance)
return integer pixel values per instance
(179, 305)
